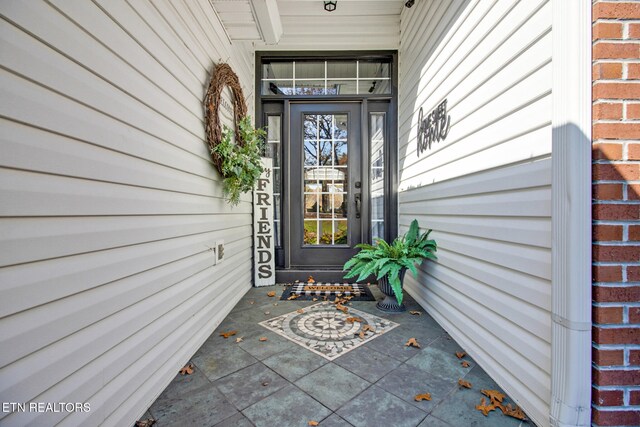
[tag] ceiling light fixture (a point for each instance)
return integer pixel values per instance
(330, 6)
(409, 3)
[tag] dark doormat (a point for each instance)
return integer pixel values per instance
(320, 291)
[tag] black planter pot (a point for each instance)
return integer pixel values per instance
(390, 303)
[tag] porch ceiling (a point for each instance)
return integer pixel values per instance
(305, 25)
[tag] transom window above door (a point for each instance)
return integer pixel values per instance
(331, 77)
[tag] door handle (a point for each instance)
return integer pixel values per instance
(358, 197)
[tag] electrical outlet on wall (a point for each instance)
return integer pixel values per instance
(219, 251)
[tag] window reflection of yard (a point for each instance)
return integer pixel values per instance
(338, 229)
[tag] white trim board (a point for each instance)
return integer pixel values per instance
(571, 215)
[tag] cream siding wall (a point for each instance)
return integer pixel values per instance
(486, 190)
(109, 202)
(354, 25)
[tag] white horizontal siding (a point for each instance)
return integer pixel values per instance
(109, 203)
(485, 190)
(354, 25)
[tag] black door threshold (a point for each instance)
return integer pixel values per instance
(301, 275)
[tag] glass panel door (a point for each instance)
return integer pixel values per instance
(326, 196)
(326, 173)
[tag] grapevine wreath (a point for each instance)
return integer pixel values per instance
(222, 77)
(238, 162)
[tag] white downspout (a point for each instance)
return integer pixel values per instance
(571, 215)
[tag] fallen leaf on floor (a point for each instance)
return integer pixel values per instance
(363, 331)
(342, 308)
(484, 408)
(465, 364)
(271, 294)
(412, 343)
(423, 396)
(494, 395)
(239, 339)
(292, 297)
(311, 280)
(275, 304)
(262, 339)
(145, 423)
(460, 354)
(314, 299)
(313, 423)
(415, 312)
(226, 335)
(354, 319)
(267, 313)
(187, 370)
(342, 300)
(463, 383)
(300, 311)
(264, 384)
(252, 302)
(515, 413)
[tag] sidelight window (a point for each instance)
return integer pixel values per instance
(377, 185)
(273, 150)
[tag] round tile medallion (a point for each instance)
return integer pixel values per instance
(326, 331)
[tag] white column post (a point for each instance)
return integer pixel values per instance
(571, 215)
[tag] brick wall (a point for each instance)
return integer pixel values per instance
(616, 213)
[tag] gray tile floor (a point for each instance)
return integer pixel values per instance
(278, 383)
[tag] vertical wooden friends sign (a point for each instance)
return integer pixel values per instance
(263, 243)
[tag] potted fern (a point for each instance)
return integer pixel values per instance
(389, 263)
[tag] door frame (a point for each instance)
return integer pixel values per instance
(370, 103)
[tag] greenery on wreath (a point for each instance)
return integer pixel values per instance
(384, 259)
(240, 162)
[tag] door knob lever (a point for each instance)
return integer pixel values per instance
(358, 198)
